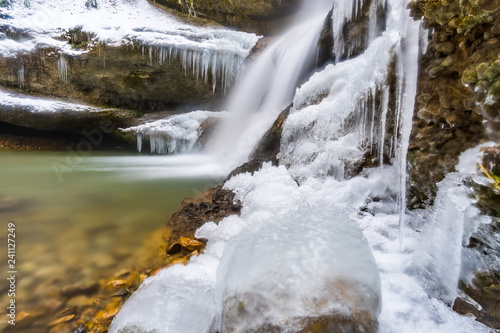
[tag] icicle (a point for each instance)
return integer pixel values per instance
(20, 77)
(62, 68)
(408, 72)
(139, 142)
(385, 108)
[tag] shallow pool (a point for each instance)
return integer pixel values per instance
(79, 220)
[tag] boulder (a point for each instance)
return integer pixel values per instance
(273, 279)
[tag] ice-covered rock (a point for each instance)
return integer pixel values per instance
(121, 53)
(311, 269)
(175, 134)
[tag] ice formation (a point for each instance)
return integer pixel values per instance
(12, 101)
(208, 52)
(175, 134)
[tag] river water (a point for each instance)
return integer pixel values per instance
(82, 226)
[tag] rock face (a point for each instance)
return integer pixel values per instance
(122, 76)
(457, 103)
(213, 206)
(457, 107)
(262, 16)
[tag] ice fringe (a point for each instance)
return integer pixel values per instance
(208, 52)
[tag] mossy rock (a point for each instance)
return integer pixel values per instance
(494, 91)
(462, 16)
(481, 69)
(469, 76)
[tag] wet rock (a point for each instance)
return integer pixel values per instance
(106, 316)
(62, 320)
(116, 284)
(491, 159)
(446, 48)
(481, 69)
(80, 302)
(495, 29)
(26, 320)
(435, 71)
(267, 149)
(208, 128)
(83, 288)
(483, 299)
(9, 204)
(456, 119)
(449, 60)
(191, 244)
(66, 312)
(52, 305)
(193, 215)
(174, 248)
(94, 121)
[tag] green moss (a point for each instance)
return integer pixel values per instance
(469, 76)
(480, 69)
(241, 306)
(462, 15)
(494, 91)
(78, 38)
(490, 74)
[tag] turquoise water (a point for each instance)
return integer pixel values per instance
(81, 219)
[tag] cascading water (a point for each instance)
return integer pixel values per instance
(319, 244)
(269, 86)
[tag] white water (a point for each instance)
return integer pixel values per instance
(301, 217)
(205, 51)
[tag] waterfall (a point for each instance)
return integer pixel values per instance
(318, 240)
(269, 86)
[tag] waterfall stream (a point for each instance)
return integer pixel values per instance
(317, 242)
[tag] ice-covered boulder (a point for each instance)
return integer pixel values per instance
(276, 280)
